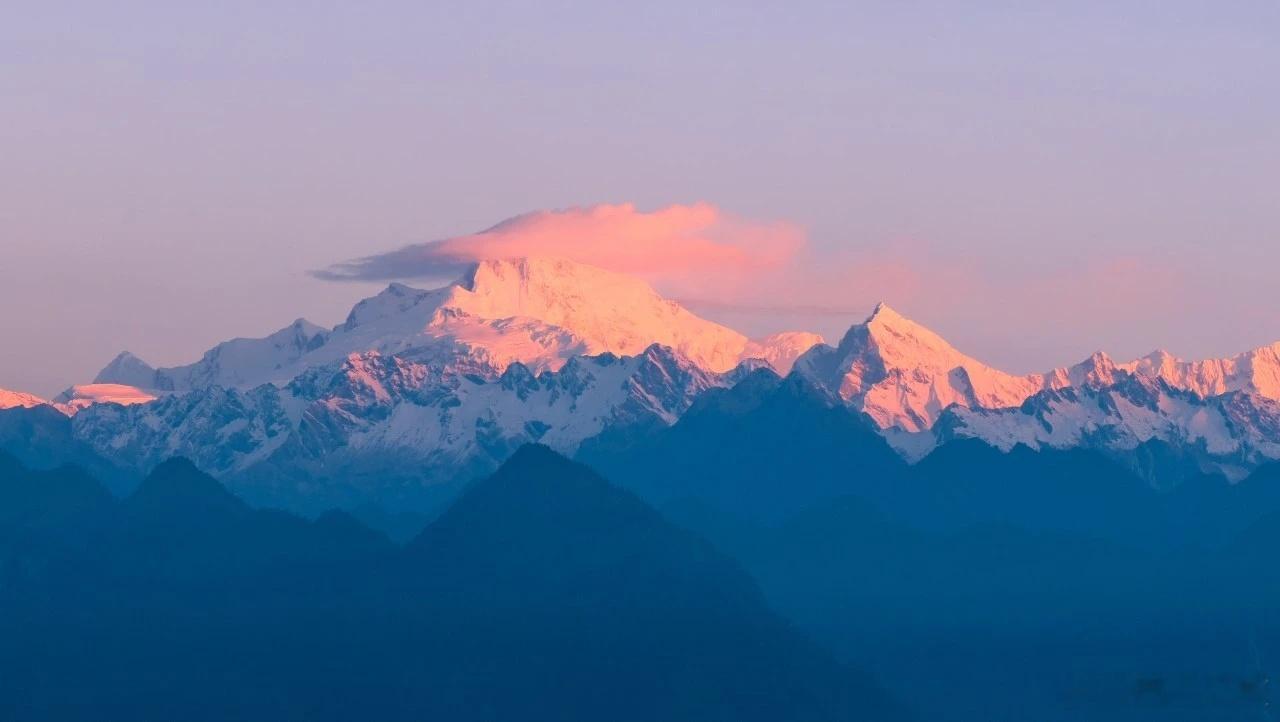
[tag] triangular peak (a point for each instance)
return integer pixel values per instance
(395, 288)
(303, 326)
(177, 486)
(127, 357)
(896, 335)
(1100, 359)
(391, 301)
(883, 313)
(128, 369)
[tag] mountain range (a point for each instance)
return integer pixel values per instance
(419, 390)
(379, 520)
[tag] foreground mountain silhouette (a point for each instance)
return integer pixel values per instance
(767, 449)
(543, 593)
(762, 450)
(42, 437)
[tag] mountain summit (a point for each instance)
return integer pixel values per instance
(1224, 414)
(538, 312)
(19, 399)
(903, 375)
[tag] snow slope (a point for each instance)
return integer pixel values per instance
(15, 399)
(392, 420)
(904, 376)
(78, 398)
(1256, 371)
(1230, 433)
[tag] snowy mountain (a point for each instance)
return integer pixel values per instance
(18, 399)
(1229, 433)
(422, 387)
(533, 311)
(83, 396)
(386, 424)
(128, 370)
(1256, 371)
(903, 375)
(780, 350)
(76, 398)
(425, 385)
(1223, 414)
(240, 362)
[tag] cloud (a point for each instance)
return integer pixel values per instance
(675, 246)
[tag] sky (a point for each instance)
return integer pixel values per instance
(1034, 181)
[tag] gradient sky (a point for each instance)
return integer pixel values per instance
(1035, 181)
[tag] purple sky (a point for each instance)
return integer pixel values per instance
(1034, 184)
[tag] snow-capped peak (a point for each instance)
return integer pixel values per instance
(535, 311)
(780, 350)
(903, 374)
(1256, 371)
(238, 362)
(19, 399)
(884, 314)
(128, 369)
(604, 311)
(1097, 370)
(392, 301)
(77, 398)
(901, 339)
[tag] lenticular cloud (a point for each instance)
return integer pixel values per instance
(669, 244)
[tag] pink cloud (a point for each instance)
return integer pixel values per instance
(672, 245)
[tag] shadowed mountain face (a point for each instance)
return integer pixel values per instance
(762, 450)
(988, 621)
(41, 437)
(766, 449)
(547, 552)
(981, 583)
(559, 529)
(542, 593)
(42, 512)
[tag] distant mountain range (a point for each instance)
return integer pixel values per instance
(419, 390)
